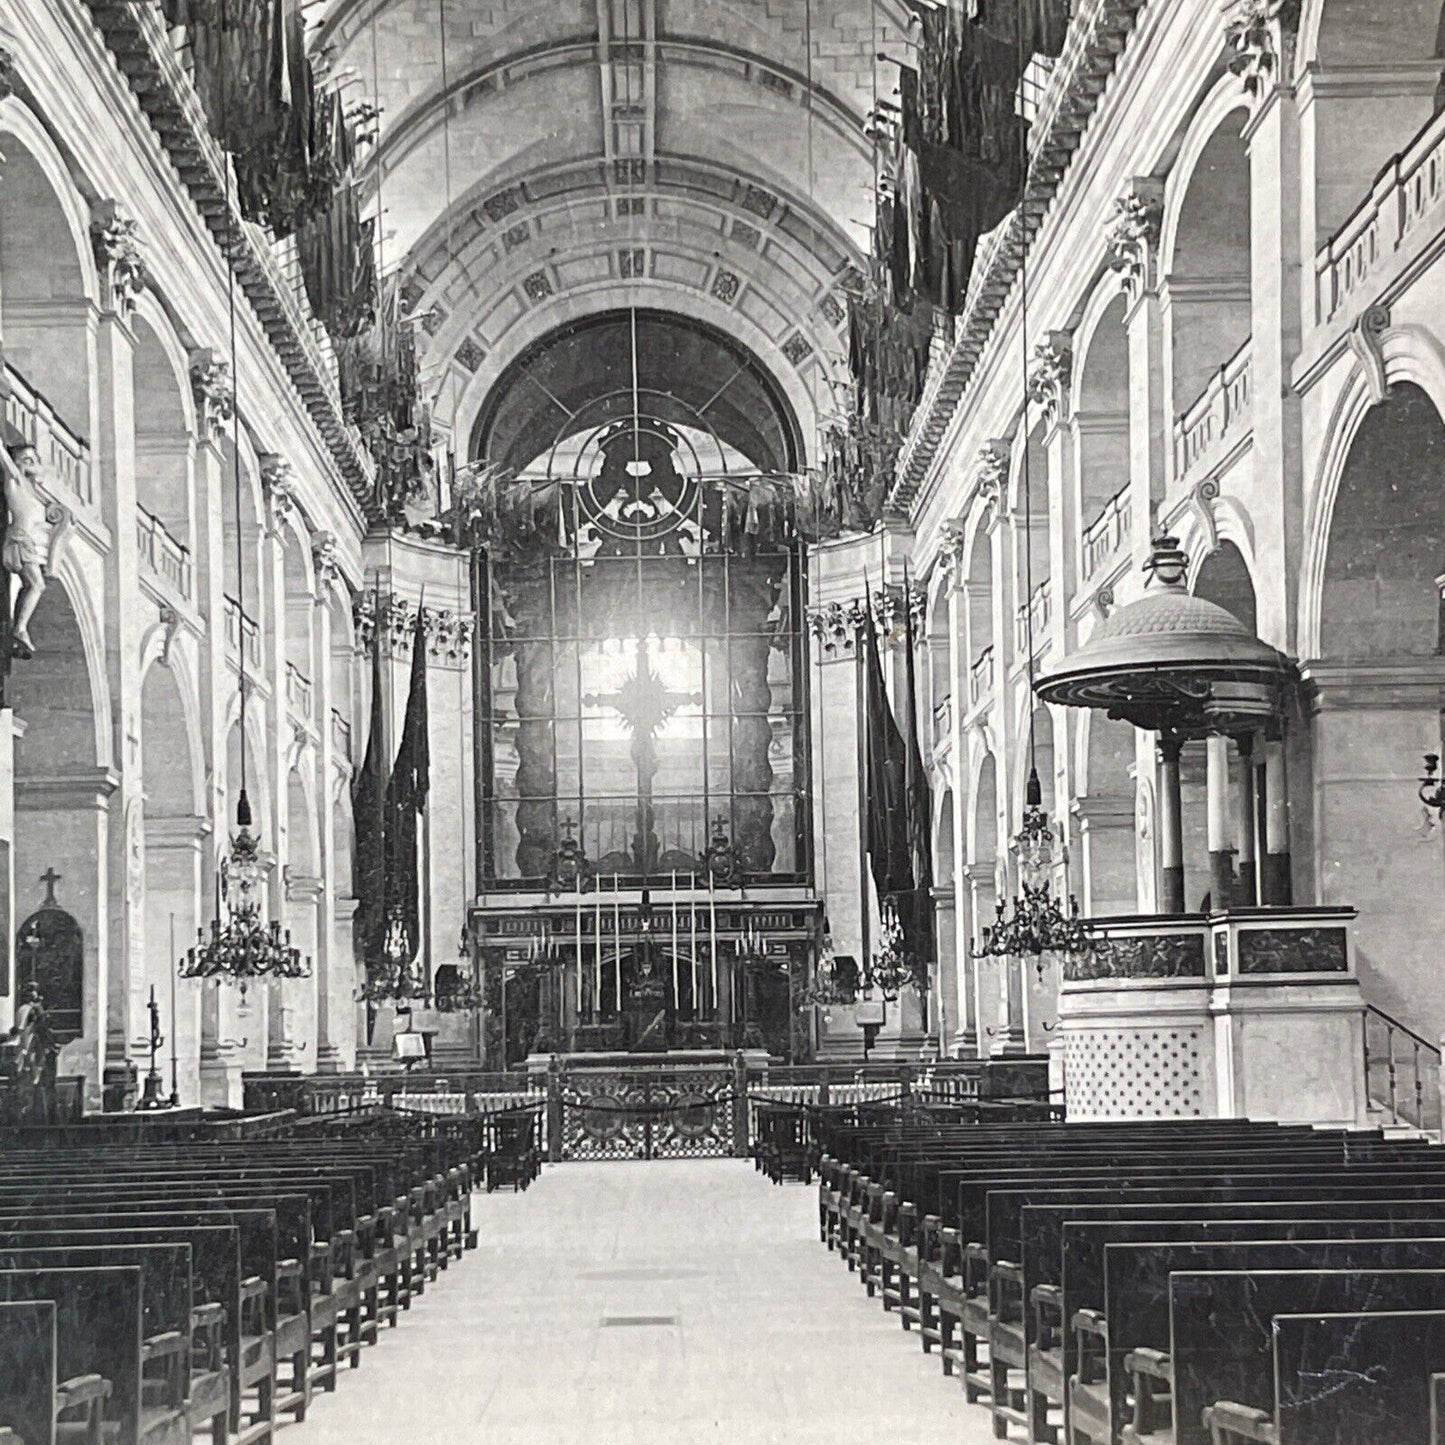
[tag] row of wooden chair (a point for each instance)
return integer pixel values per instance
(158, 1284)
(1155, 1283)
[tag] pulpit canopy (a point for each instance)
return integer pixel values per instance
(1171, 661)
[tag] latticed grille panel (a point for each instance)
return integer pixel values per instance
(639, 1115)
(1135, 1073)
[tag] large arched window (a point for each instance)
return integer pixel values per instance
(642, 673)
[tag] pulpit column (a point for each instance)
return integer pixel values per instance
(1245, 814)
(1221, 870)
(1278, 891)
(1171, 828)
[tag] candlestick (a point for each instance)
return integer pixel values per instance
(597, 953)
(175, 1065)
(577, 933)
(692, 938)
(617, 932)
(674, 940)
(712, 932)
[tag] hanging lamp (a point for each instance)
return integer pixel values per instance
(1035, 922)
(240, 946)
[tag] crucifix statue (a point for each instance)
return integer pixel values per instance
(645, 704)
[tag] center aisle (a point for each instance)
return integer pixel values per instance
(647, 1304)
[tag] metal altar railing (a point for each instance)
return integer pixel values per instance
(1402, 1072)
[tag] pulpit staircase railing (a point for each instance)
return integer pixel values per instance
(1402, 1074)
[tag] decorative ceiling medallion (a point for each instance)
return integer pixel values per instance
(637, 482)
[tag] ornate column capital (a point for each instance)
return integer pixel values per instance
(324, 558)
(991, 477)
(214, 392)
(118, 256)
(279, 490)
(952, 548)
(1261, 37)
(1052, 374)
(1133, 234)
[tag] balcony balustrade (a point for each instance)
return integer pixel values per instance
(1220, 413)
(298, 692)
(64, 457)
(242, 632)
(943, 722)
(980, 676)
(1035, 615)
(161, 554)
(340, 735)
(1108, 534)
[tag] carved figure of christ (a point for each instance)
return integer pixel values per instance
(645, 703)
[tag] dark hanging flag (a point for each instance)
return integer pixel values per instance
(368, 813)
(887, 821)
(916, 913)
(406, 801)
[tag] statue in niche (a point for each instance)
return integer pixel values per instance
(27, 535)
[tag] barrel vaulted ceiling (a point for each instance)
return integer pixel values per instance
(542, 161)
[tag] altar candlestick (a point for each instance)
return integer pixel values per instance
(692, 934)
(674, 939)
(577, 931)
(617, 932)
(597, 954)
(712, 931)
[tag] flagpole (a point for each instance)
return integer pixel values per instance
(865, 930)
(675, 983)
(597, 955)
(175, 1066)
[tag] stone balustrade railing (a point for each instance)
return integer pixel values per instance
(161, 553)
(1108, 534)
(298, 691)
(64, 456)
(1404, 201)
(242, 631)
(1034, 616)
(340, 735)
(1221, 411)
(980, 676)
(943, 722)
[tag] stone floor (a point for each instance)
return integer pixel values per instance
(646, 1304)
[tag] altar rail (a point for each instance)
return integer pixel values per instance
(732, 1090)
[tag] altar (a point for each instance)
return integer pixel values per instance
(636, 975)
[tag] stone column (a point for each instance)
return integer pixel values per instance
(291, 1027)
(1275, 874)
(945, 929)
(218, 691)
(979, 882)
(326, 961)
(124, 621)
(1221, 863)
(1171, 828)
(1107, 843)
(1246, 872)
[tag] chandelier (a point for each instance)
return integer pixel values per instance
(894, 966)
(828, 985)
(239, 946)
(1037, 925)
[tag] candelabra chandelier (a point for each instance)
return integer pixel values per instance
(240, 947)
(455, 989)
(1037, 924)
(752, 947)
(827, 988)
(894, 966)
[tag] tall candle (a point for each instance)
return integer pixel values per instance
(674, 938)
(712, 932)
(692, 934)
(617, 933)
(597, 953)
(577, 932)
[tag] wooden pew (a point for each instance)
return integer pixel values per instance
(99, 1356)
(1328, 1386)
(28, 1381)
